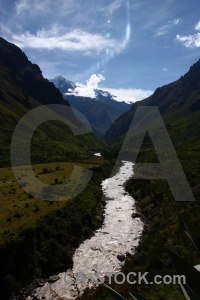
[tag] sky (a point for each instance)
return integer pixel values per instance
(128, 47)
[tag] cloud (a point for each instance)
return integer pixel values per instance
(4, 30)
(94, 80)
(197, 26)
(76, 11)
(35, 25)
(135, 6)
(162, 30)
(20, 6)
(64, 6)
(175, 21)
(75, 28)
(87, 90)
(165, 69)
(33, 7)
(82, 90)
(190, 41)
(129, 95)
(55, 38)
(112, 7)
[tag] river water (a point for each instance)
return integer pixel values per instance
(105, 251)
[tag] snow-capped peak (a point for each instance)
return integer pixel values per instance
(63, 84)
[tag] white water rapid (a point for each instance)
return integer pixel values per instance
(105, 251)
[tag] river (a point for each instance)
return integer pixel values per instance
(106, 250)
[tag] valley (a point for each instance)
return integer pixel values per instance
(106, 250)
(101, 111)
(91, 229)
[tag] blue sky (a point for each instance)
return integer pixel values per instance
(136, 45)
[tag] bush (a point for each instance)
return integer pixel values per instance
(18, 215)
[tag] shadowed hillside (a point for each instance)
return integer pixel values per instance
(179, 105)
(176, 100)
(22, 88)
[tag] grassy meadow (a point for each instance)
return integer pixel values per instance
(20, 209)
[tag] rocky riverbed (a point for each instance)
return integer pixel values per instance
(107, 249)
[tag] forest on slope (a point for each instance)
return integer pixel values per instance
(179, 106)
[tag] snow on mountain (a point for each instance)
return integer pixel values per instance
(63, 84)
(97, 105)
(70, 90)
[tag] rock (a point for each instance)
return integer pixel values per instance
(40, 283)
(136, 215)
(21, 297)
(96, 248)
(53, 278)
(121, 257)
(128, 254)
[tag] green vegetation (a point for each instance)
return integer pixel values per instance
(19, 209)
(156, 203)
(179, 106)
(46, 244)
(24, 88)
(160, 214)
(38, 238)
(163, 229)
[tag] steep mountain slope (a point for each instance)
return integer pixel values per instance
(67, 86)
(109, 99)
(100, 115)
(176, 100)
(101, 111)
(63, 84)
(23, 88)
(179, 105)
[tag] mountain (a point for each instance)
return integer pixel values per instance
(109, 99)
(100, 111)
(23, 88)
(179, 105)
(63, 84)
(67, 86)
(177, 100)
(100, 115)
